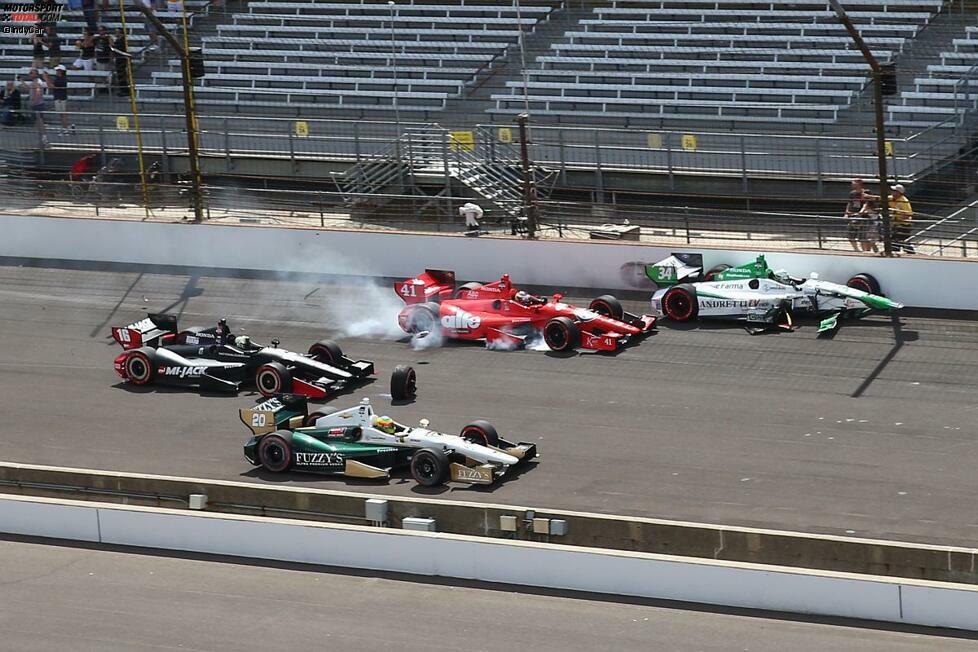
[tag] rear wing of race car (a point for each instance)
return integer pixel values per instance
(145, 332)
(270, 414)
(433, 285)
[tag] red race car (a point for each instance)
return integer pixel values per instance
(504, 316)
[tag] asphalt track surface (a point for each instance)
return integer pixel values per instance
(873, 433)
(91, 600)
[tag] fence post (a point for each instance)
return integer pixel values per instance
(227, 146)
(672, 178)
(356, 140)
(818, 230)
(166, 154)
(819, 191)
(686, 220)
(322, 219)
(560, 153)
(743, 165)
(597, 163)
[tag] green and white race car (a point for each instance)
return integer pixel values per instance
(358, 443)
(767, 299)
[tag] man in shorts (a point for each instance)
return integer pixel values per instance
(59, 88)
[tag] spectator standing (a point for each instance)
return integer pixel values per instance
(869, 225)
(121, 60)
(35, 86)
(86, 55)
(10, 106)
(59, 89)
(38, 43)
(53, 43)
(154, 36)
(91, 14)
(853, 209)
(901, 217)
(103, 49)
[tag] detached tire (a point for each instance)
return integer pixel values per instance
(866, 283)
(430, 467)
(404, 383)
(326, 351)
(273, 378)
(275, 451)
(679, 303)
(608, 306)
(423, 317)
(465, 288)
(141, 366)
(711, 275)
(480, 432)
(561, 334)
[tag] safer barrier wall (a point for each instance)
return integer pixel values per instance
(620, 533)
(520, 563)
(917, 282)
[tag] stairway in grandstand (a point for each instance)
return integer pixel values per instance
(488, 169)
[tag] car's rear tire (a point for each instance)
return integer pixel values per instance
(422, 317)
(561, 334)
(608, 306)
(275, 451)
(480, 432)
(140, 366)
(404, 383)
(679, 303)
(866, 283)
(430, 467)
(273, 378)
(326, 351)
(311, 419)
(713, 271)
(465, 288)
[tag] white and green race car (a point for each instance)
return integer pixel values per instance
(767, 299)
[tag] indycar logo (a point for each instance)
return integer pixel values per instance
(461, 322)
(182, 372)
(319, 459)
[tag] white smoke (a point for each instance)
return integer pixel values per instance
(368, 310)
(427, 340)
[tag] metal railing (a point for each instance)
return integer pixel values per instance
(671, 153)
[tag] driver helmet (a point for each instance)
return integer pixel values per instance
(242, 342)
(782, 276)
(385, 424)
(523, 298)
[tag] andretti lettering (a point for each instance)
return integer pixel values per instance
(729, 303)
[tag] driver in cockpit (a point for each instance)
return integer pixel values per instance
(527, 299)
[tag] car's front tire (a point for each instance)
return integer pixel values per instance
(430, 467)
(326, 351)
(608, 306)
(561, 334)
(679, 303)
(275, 451)
(866, 283)
(480, 432)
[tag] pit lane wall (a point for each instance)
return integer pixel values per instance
(917, 282)
(512, 562)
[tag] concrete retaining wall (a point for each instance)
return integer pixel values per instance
(800, 550)
(520, 563)
(929, 283)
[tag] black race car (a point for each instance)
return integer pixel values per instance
(214, 359)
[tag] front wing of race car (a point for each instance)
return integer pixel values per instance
(474, 473)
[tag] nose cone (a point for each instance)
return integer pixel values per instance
(615, 326)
